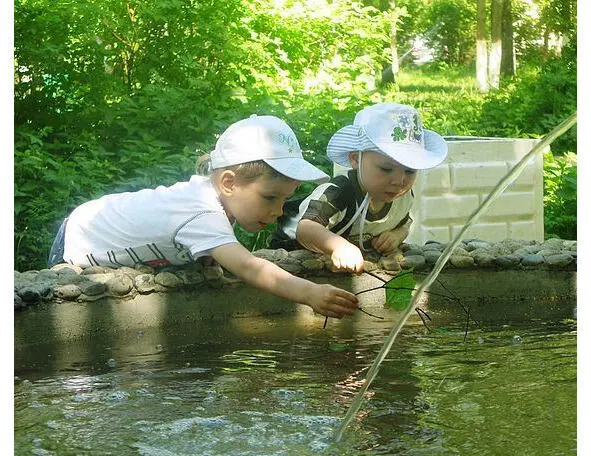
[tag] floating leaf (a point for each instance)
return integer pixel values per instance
(399, 290)
(339, 347)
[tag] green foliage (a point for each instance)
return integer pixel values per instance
(560, 196)
(534, 103)
(454, 41)
(116, 96)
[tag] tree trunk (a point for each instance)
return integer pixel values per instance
(481, 52)
(494, 62)
(508, 50)
(393, 41)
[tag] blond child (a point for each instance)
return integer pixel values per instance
(257, 163)
(369, 207)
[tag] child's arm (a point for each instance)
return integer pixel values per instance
(344, 255)
(323, 298)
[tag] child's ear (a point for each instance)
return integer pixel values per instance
(354, 159)
(226, 182)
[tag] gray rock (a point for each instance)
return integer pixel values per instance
(28, 276)
(431, 256)
(302, 255)
(291, 266)
(413, 261)
(473, 245)
(265, 254)
(404, 247)
(101, 278)
(461, 261)
(46, 276)
(190, 276)
(532, 260)
(20, 282)
(90, 288)
(167, 279)
(460, 251)
(553, 244)
(508, 261)
(281, 255)
(35, 292)
(558, 261)
(391, 264)
(66, 268)
(510, 244)
(68, 292)
(313, 264)
(549, 252)
(96, 270)
(480, 250)
(65, 279)
(19, 304)
(119, 285)
(484, 259)
(519, 254)
(570, 245)
(412, 252)
(142, 268)
(370, 266)
(132, 273)
(145, 283)
(434, 246)
(522, 252)
(213, 272)
(534, 248)
(500, 250)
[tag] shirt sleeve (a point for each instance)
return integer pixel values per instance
(205, 231)
(329, 207)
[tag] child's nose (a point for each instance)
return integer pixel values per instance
(277, 211)
(398, 177)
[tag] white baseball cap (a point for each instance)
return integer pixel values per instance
(392, 129)
(266, 138)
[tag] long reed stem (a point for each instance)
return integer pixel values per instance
(501, 186)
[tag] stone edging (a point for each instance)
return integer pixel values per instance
(72, 283)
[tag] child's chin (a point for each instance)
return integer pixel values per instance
(255, 229)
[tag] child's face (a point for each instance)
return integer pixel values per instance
(383, 178)
(258, 203)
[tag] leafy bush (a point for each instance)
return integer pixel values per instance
(560, 196)
(534, 103)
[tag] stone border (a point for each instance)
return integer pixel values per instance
(65, 282)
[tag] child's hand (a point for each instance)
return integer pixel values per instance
(332, 301)
(347, 257)
(388, 242)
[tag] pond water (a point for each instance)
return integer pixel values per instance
(281, 385)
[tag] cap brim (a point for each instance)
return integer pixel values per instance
(297, 169)
(341, 143)
(416, 157)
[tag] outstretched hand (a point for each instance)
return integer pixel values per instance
(347, 257)
(332, 301)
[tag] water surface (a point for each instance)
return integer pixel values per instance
(276, 386)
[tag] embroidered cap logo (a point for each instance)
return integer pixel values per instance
(407, 128)
(288, 140)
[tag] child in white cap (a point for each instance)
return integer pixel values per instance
(257, 163)
(369, 207)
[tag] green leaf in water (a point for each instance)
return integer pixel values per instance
(339, 347)
(443, 329)
(399, 290)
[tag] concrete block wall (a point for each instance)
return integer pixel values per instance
(447, 195)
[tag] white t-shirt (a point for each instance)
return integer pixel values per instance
(166, 225)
